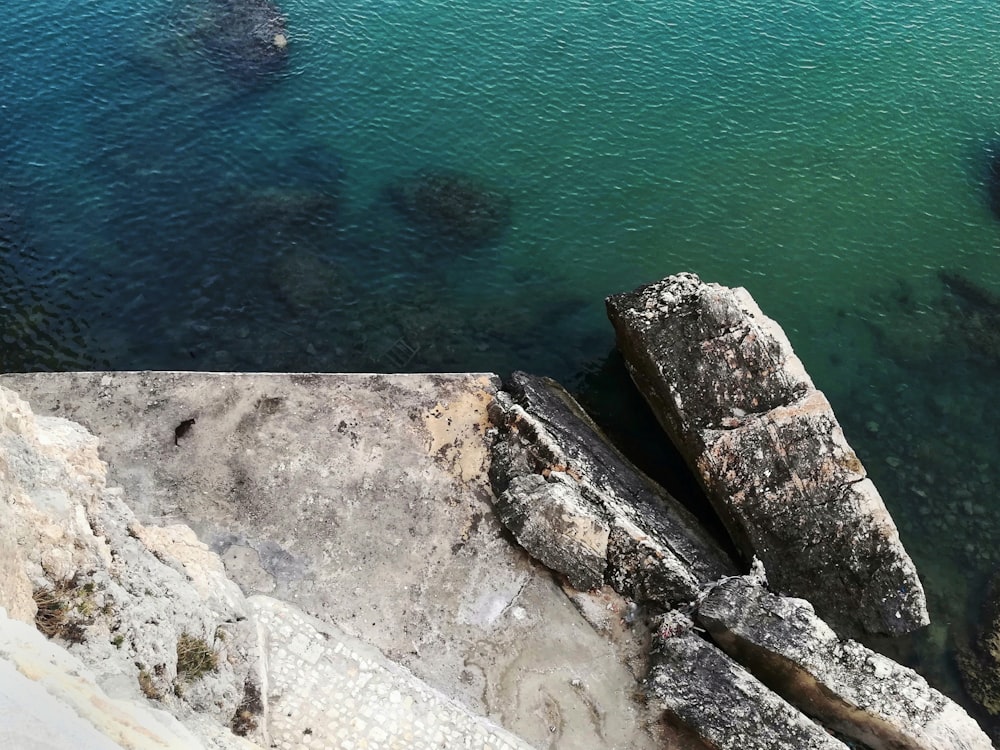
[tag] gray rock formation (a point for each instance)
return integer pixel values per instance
(724, 382)
(698, 685)
(382, 510)
(859, 693)
(557, 526)
(979, 657)
(575, 503)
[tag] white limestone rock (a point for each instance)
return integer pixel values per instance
(121, 606)
(50, 700)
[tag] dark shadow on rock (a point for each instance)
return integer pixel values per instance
(609, 396)
(972, 295)
(456, 208)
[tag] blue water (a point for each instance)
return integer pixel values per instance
(159, 212)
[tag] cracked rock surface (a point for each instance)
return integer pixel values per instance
(576, 504)
(723, 381)
(700, 686)
(850, 688)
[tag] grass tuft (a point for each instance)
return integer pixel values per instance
(195, 658)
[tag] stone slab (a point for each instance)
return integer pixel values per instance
(576, 503)
(724, 382)
(364, 500)
(850, 688)
(700, 686)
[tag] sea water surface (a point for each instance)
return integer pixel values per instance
(158, 211)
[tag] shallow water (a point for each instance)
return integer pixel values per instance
(159, 212)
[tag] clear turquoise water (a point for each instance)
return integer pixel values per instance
(829, 156)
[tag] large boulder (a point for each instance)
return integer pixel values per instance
(723, 381)
(701, 687)
(849, 688)
(575, 503)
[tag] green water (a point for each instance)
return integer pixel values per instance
(830, 157)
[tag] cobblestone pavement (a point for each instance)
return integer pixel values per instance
(327, 690)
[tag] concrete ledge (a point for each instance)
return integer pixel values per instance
(364, 500)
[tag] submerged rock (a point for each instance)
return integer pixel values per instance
(308, 283)
(993, 182)
(276, 209)
(455, 207)
(725, 384)
(39, 329)
(975, 319)
(248, 37)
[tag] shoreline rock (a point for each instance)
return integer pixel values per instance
(716, 697)
(861, 694)
(725, 384)
(575, 503)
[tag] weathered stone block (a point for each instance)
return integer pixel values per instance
(861, 694)
(700, 686)
(655, 549)
(724, 382)
(557, 526)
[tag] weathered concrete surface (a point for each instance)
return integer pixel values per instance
(700, 686)
(725, 384)
(142, 616)
(363, 499)
(861, 694)
(575, 503)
